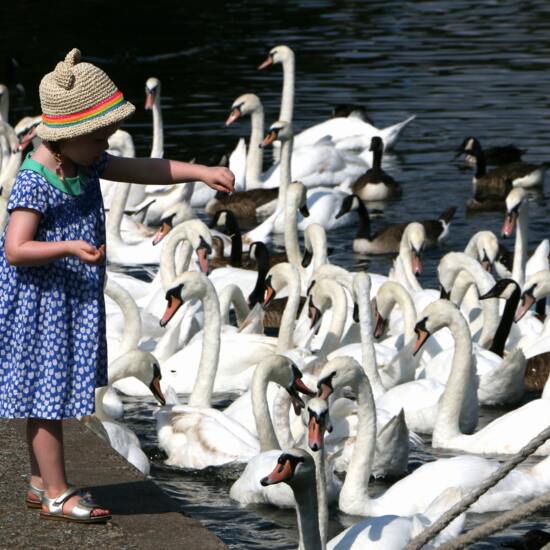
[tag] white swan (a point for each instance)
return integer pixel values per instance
(197, 436)
(238, 353)
(517, 216)
(505, 435)
(390, 532)
(500, 380)
(414, 493)
(536, 287)
(143, 366)
(349, 133)
(247, 489)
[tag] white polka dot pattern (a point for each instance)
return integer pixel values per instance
(53, 348)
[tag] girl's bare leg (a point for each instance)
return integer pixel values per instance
(36, 479)
(47, 448)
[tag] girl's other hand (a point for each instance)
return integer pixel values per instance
(88, 253)
(220, 179)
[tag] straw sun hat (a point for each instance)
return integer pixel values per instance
(78, 98)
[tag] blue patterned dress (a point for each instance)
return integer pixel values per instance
(53, 349)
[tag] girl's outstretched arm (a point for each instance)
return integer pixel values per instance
(22, 250)
(150, 171)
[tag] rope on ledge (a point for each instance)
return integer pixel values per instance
(428, 534)
(498, 523)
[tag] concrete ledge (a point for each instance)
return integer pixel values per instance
(143, 515)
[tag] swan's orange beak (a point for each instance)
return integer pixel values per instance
(161, 233)
(233, 116)
(174, 303)
(269, 295)
(509, 223)
(269, 139)
(149, 100)
(266, 63)
(155, 386)
(302, 388)
(380, 324)
(202, 254)
(416, 263)
(527, 300)
(282, 472)
(486, 265)
(421, 336)
(314, 434)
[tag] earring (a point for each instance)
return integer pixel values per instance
(59, 165)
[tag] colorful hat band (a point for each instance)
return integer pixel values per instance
(103, 107)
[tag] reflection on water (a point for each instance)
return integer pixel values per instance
(464, 68)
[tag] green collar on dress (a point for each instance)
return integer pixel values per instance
(70, 186)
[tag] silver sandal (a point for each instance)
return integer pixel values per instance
(81, 512)
(38, 493)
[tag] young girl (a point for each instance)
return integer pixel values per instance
(53, 350)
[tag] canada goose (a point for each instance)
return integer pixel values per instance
(375, 184)
(243, 204)
(497, 156)
(496, 184)
(388, 238)
(227, 222)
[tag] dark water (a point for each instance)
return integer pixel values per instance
(464, 68)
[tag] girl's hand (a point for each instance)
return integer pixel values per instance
(220, 179)
(87, 253)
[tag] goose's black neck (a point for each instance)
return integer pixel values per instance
(377, 160)
(232, 227)
(503, 330)
(363, 229)
(262, 259)
(481, 164)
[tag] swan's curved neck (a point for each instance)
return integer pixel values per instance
(168, 255)
(354, 491)
(450, 404)
(451, 265)
(284, 176)
(201, 395)
(287, 100)
(403, 299)
(338, 321)
(366, 328)
(319, 458)
(288, 319)
(255, 152)
(157, 148)
(264, 425)
(520, 247)
(232, 295)
(132, 320)
(318, 243)
(307, 511)
(405, 254)
(281, 419)
(292, 245)
(118, 204)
